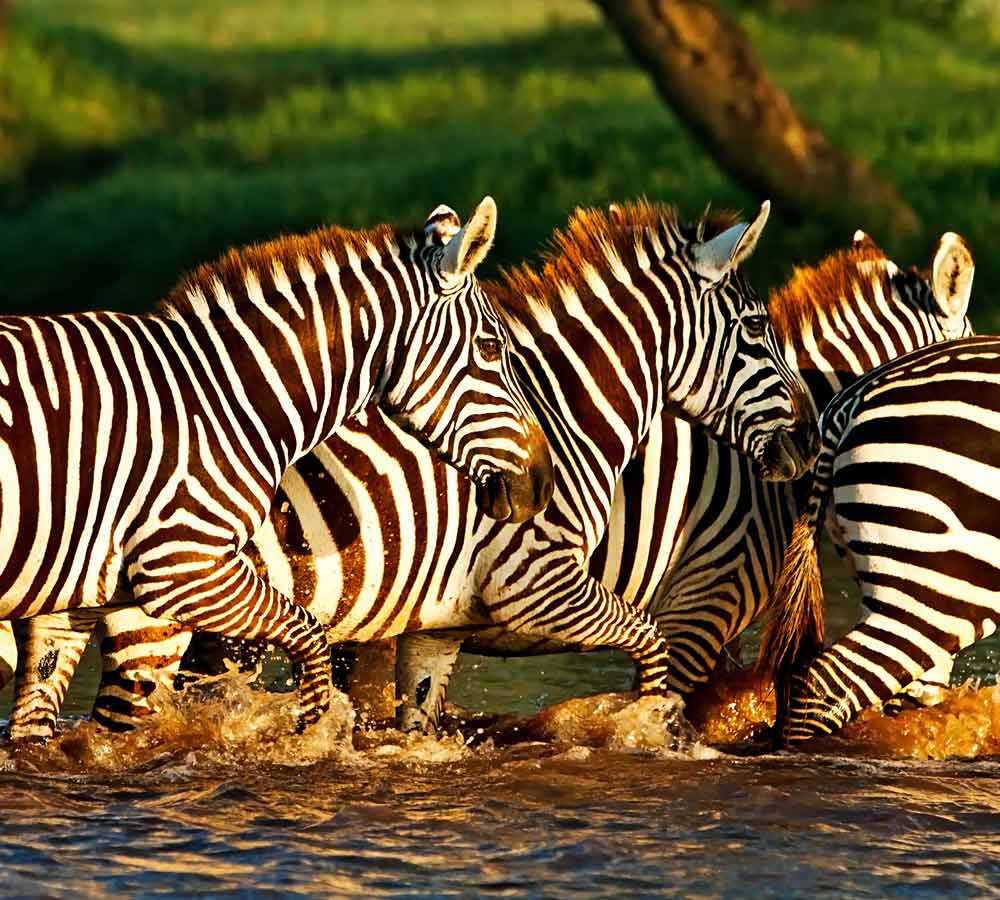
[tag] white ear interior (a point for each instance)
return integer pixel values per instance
(951, 275)
(442, 224)
(468, 248)
(726, 251)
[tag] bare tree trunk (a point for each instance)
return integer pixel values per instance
(704, 67)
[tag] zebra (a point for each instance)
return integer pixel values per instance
(908, 477)
(632, 311)
(695, 538)
(148, 448)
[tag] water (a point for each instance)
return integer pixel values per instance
(600, 797)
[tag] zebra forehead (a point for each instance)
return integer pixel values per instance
(630, 231)
(289, 254)
(827, 286)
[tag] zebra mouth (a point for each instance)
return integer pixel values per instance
(787, 455)
(493, 496)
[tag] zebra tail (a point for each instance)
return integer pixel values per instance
(794, 632)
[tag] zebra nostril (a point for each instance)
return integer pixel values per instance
(542, 486)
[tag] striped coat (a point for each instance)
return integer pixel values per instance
(695, 537)
(908, 475)
(146, 450)
(634, 311)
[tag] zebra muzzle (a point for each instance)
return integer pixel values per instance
(517, 496)
(788, 453)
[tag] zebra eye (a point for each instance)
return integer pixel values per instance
(755, 325)
(489, 348)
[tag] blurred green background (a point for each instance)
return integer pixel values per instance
(140, 138)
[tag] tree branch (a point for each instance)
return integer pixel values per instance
(705, 68)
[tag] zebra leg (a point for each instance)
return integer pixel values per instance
(927, 690)
(573, 607)
(8, 654)
(424, 664)
(51, 647)
(229, 597)
(930, 688)
(138, 655)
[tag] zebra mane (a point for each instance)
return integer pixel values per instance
(597, 238)
(828, 286)
(195, 293)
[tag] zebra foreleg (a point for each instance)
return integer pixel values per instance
(50, 651)
(927, 690)
(8, 654)
(930, 688)
(575, 608)
(424, 663)
(228, 597)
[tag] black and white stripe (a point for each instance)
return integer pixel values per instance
(695, 537)
(633, 313)
(147, 450)
(910, 477)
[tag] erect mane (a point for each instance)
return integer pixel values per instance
(827, 286)
(594, 237)
(232, 267)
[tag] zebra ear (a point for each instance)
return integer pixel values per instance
(442, 225)
(862, 241)
(715, 258)
(468, 248)
(951, 275)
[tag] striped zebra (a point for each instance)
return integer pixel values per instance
(695, 537)
(909, 477)
(149, 448)
(633, 311)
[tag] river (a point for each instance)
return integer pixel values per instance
(219, 799)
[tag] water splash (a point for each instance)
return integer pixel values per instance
(223, 721)
(737, 707)
(733, 708)
(617, 722)
(227, 724)
(965, 724)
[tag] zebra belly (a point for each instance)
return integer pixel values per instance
(46, 562)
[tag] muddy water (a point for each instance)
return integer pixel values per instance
(602, 797)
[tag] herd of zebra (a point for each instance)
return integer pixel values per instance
(346, 436)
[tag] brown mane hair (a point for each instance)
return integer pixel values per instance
(826, 286)
(586, 240)
(231, 268)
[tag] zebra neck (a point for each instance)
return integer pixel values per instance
(593, 414)
(845, 318)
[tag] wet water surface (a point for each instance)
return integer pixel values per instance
(602, 797)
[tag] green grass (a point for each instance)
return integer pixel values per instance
(137, 139)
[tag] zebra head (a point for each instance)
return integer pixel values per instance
(452, 383)
(736, 382)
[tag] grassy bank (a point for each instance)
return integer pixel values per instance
(138, 139)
